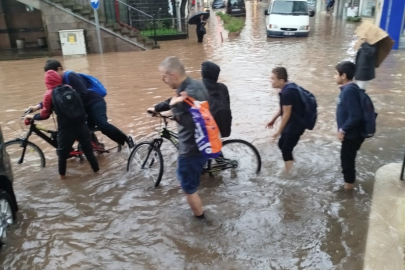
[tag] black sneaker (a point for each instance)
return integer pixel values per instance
(130, 142)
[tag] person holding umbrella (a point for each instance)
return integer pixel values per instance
(199, 19)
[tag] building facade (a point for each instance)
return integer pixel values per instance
(391, 18)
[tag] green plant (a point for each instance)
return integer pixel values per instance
(231, 24)
(353, 19)
(160, 32)
(234, 25)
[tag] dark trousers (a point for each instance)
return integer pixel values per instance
(348, 155)
(286, 143)
(200, 36)
(97, 116)
(67, 137)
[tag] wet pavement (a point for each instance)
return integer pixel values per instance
(118, 221)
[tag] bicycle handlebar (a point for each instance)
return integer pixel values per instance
(158, 114)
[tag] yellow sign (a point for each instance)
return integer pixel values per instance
(72, 39)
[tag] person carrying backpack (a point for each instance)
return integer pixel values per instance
(291, 109)
(191, 158)
(71, 117)
(355, 117)
(92, 94)
(220, 105)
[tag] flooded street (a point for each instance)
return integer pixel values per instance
(118, 221)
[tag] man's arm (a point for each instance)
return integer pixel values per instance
(163, 106)
(285, 118)
(46, 107)
(351, 100)
(180, 110)
(273, 120)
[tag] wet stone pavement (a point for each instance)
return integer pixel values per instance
(119, 221)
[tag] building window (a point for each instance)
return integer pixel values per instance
(368, 8)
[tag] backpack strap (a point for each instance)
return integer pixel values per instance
(66, 77)
(190, 101)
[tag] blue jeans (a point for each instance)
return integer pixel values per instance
(189, 171)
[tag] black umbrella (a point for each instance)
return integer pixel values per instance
(196, 17)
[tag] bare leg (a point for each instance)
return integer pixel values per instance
(288, 166)
(195, 203)
(349, 186)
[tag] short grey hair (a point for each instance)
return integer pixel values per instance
(173, 64)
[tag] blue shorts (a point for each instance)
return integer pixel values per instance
(189, 171)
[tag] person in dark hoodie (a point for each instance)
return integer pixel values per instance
(201, 31)
(291, 107)
(220, 105)
(365, 65)
(349, 120)
(68, 130)
(94, 104)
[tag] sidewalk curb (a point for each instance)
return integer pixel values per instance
(385, 238)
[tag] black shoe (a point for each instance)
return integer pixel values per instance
(130, 142)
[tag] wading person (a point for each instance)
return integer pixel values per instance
(349, 120)
(94, 104)
(201, 31)
(71, 117)
(190, 161)
(365, 65)
(290, 110)
(220, 105)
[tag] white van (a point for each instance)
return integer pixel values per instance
(287, 18)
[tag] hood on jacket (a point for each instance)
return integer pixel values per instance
(52, 79)
(210, 70)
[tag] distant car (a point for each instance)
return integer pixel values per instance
(311, 7)
(8, 202)
(236, 8)
(217, 4)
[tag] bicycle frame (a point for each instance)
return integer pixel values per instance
(222, 163)
(39, 131)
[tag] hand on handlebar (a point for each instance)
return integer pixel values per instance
(152, 111)
(32, 109)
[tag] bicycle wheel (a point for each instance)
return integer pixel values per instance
(34, 159)
(146, 161)
(239, 159)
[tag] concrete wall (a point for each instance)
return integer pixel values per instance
(22, 24)
(55, 19)
(4, 37)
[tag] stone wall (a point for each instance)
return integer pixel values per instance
(20, 24)
(56, 19)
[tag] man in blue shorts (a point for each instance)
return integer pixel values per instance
(191, 161)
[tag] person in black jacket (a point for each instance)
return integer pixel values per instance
(220, 105)
(290, 109)
(201, 31)
(94, 104)
(349, 120)
(365, 65)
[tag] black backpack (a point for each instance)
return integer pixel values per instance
(222, 114)
(311, 108)
(369, 115)
(67, 104)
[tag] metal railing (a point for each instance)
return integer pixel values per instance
(157, 26)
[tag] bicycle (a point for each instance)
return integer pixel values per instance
(18, 148)
(149, 159)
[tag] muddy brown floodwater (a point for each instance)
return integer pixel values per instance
(118, 221)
